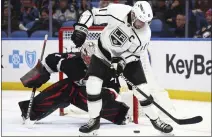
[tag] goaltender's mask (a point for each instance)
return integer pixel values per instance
(87, 50)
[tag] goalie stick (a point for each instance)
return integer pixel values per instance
(192, 120)
(34, 89)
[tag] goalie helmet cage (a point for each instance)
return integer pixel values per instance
(93, 35)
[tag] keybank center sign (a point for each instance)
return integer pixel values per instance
(197, 66)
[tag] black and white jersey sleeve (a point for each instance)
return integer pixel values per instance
(100, 16)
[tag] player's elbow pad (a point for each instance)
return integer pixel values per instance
(86, 18)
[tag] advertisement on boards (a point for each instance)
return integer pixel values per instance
(182, 65)
(22, 55)
(177, 65)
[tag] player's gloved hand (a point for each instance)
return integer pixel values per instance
(118, 64)
(79, 34)
(35, 77)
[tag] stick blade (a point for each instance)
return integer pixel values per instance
(193, 120)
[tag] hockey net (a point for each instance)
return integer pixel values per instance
(93, 35)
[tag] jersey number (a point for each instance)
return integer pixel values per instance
(118, 38)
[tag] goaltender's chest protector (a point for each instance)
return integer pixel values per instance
(118, 37)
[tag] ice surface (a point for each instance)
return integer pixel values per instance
(55, 125)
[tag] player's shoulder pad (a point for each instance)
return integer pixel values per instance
(122, 11)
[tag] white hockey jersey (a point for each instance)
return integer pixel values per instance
(119, 38)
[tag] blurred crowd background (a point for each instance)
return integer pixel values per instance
(172, 18)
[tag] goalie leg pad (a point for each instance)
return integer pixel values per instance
(122, 113)
(35, 77)
(53, 97)
(24, 107)
(37, 113)
(115, 112)
(112, 110)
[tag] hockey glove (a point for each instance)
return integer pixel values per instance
(79, 34)
(118, 64)
(35, 77)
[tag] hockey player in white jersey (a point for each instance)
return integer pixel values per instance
(121, 43)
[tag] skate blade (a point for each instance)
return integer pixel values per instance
(93, 133)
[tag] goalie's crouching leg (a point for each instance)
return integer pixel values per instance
(112, 110)
(64, 93)
(54, 97)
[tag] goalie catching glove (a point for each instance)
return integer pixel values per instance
(118, 64)
(35, 77)
(79, 34)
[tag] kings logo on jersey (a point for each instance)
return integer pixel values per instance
(30, 58)
(118, 38)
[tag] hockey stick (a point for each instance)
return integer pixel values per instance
(192, 120)
(34, 89)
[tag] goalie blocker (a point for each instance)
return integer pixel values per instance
(35, 77)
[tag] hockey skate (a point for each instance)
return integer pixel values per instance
(90, 128)
(161, 126)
